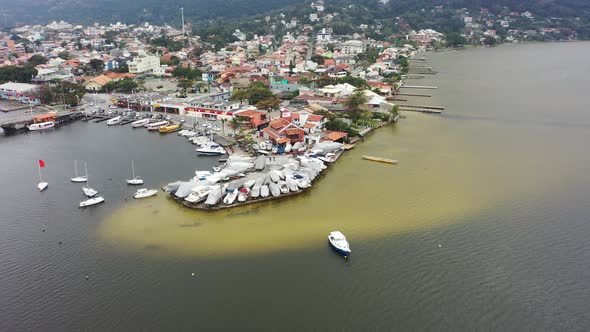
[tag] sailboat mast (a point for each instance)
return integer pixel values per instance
(133, 169)
(76, 167)
(86, 173)
(39, 167)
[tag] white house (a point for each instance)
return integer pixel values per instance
(144, 63)
(352, 47)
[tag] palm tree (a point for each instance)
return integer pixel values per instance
(235, 124)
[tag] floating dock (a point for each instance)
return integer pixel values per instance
(413, 95)
(420, 110)
(420, 87)
(381, 160)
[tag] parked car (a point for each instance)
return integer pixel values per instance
(138, 115)
(160, 116)
(181, 120)
(155, 116)
(168, 117)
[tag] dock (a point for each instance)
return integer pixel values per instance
(419, 87)
(413, 95)
(420, 110)
(440, 108)
(381, 160)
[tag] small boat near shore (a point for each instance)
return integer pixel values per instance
(381, 160)
(243, 194)
(114, 121)
(77, 179)
(145, 193)
(140, 123)
(211, 150)
(135, 180)
(155, 125)
(339, 243)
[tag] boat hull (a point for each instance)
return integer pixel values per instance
(41, 126)
(342, 252)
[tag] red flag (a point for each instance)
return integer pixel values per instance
(41, 163)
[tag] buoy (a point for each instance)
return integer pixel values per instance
(193, 274)
(86, 277)
(440, 246)
(60, 243)
(43, 229)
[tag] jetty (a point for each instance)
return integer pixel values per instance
(420, 110)
(381, 160)
(413, 95)
(14, 123)
(440, 108)
(419, 87)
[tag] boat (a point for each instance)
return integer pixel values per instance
(211, 150)
(275, 190)
(288, 147)
(255, 191)
(144, 193)
(214, 197)
(168, 128)
(262, 146)
(114, 121)
(330, 157)
(338, 242)
(243, 195)
(230, 198)
(140, 123)
(199, 193)
(249, 184)
(156, 125)
(92, 201)
(77, 178)
(381, 160)
(264, 152)
(182, 132)
(42, 185)
(264, 192)
(135, 180)
(87, 190)
(292, 184)
(284, 187)
(41, 126)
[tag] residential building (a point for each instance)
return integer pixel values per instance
(280, 131)
(144, 63)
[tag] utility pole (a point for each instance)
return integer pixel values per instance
(182, 16)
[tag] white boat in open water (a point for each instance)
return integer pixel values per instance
(338, 242)
(86, 189)
(92, 201)
(145, 193)
(77, 178)
(42, 185)
(135, 180)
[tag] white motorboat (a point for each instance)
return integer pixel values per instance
(330, 157)
(42, 185)
(214, 197)
(41, 126)
(182, 132)
(249, 184)
(264, 152)
(255, 191)
(144, 193)
(92, 201)
(200, 193)
(275, 190)
(262, 146)
(292, 184)
(114, 121)
(338, 242)
(275, 149)
(284, 187)
(77, 178)
(140, 123)
(243, 195)
(135, 180)
(87, 190)
(230, 198)
(264, 192)
(288, 147)
(212, 150)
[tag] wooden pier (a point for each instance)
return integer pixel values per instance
(420, 110)
(419, 87)
(440, 108)
(413, 95)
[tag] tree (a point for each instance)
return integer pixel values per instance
(235, 124)
(318, 59)
(185, 84)
(223, 121)
(96, 66)
(239, 95)
(64, 55)
(125, 85)
(257, 92)
(37, 59)
(489, 41)
(17, 74)
(454, 39)
(355, 105)
(271, 104)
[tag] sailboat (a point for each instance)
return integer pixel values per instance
(87, 190)
(77, 178)
(136, 180)
(42, 185)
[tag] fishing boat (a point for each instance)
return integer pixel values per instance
(145, 193)
(87, 190)
(92, 201)
(338, 242)
(211, 150)
(168, 128)
(231, 196)
(284, 187)
(264, 192)
(114, 121)
(135, 180)
(243, 195)
(77, 178)
(140, 123)
(41, 126)
(42, 185)
(156, 125)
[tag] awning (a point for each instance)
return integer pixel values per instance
(283, 140)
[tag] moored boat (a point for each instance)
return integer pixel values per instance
(211, 150)
(284, 187)
(41, 126)
(339, 243)
(140, 123)
(135, 180)
(168, 128)
(231, 196)
(77, 178)
(264, 191)
(243, 195)
(144, 193)
(114, 121)
(92, 201)
(156, 125)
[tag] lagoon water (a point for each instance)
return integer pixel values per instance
(482, 226)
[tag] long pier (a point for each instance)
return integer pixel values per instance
(441, 108)
(413, 95)
(420, 110)
(419, 87)
(12, 124)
